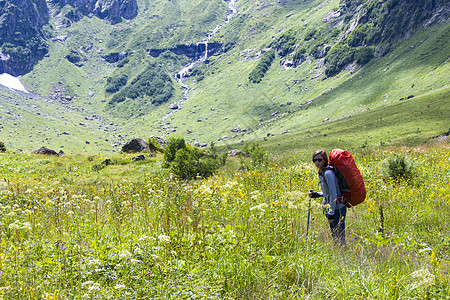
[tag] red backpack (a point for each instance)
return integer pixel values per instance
(354, 192)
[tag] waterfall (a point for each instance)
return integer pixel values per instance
(185, 70)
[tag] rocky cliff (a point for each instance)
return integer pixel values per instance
(22, 38)
(22, 22)
(111, 10)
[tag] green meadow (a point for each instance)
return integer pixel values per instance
(73, 228)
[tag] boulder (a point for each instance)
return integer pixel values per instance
(45, 151)
(139, 157)
(234, 152)
(135, 145)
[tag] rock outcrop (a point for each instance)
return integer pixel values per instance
(45, 151)
(135, 145)
(192, 51)
(111, 10)
(22, 39)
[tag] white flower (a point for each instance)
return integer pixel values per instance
(87, 283)
(125, 254)
(93, 262)
(14, 226)
(423, 278)
(259, 207)
(135, 261)
(26, 226)
(119, 286)
(164, 238)
(94, 287)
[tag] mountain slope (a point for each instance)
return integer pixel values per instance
(333, 59)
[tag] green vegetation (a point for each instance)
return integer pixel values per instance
(2, 147)
(260, 70)
(190, 162)
(399, 167)
(131, 230)
(153, 83)
(114, 84)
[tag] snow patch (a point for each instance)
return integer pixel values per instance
(12, 82)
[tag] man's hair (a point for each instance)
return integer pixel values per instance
(322, 153)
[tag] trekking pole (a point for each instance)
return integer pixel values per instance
(309, 213)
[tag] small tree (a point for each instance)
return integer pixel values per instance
(172, 146)
(188, 162)
(257, 154)
(398, 167)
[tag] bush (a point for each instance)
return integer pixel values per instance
(114, 84)
(188, 162)
(285, 44)
(257, 74)
(258, 154)
(338, 58)
(364, 55)
(2, 147)
(172, 146)
(154, 145)
(154, 82)
(398, 167)
(123, 62)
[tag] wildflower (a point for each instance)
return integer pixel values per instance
(119, 286)
(135, 261)
(125, 254)
(14, 226)
(87, 283)
(164, 238)
(259, 207)
(26, 226)
(93, 262)
(94, 287)
(423, 278)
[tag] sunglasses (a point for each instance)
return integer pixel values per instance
(317, 159)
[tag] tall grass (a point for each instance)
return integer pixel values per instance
(135, 232)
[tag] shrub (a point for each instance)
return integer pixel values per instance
(154, 145)
(2, 147)
(74, 57)
(398, 167)
(285, 44)
(114, 84)
(154, 82)
(172, 146)
(257, 153)
(188, 162)
(337, 58)
(310, 34)
(123, 62)
(364, 55)
(262, 67)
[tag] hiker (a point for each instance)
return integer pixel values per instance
(334, 210)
